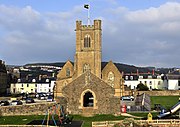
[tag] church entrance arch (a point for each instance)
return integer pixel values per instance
(88, 99)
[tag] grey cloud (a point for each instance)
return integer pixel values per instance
(144, 37)
(148, 37)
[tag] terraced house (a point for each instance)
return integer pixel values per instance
(87, 86)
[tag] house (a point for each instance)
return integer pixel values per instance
(33, 86)
(152, 81)
(173, 80)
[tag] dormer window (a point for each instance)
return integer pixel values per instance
(87, 41)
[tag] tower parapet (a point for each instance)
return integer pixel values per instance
(96, 25)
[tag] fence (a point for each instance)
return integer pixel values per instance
(157, 122)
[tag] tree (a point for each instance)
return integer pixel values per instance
(142, 87)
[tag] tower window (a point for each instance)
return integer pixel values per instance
(86, 67)
(87, 41)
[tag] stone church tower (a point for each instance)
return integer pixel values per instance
(88, 48)
(89, 86)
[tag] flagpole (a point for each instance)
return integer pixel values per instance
(87, 6)
(89, 16)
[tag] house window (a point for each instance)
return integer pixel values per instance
(131, 77)
(22, 85)
(150, 87)
(14, 90)
(49, 85)
(159, 83)
(87, 41)
(67, 72)
(35, 85)
(27, 85)
(150, 82)
(145, 82)
(126, 77)
(49, 90)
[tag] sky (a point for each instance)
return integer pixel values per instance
(136, 32)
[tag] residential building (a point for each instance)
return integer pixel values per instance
(173, 80)
(150, 80)
(32, 86)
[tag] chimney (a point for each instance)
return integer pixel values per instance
(137, 72)
(153, 72)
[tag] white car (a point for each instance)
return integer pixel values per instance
(50, 98)
(127, 98)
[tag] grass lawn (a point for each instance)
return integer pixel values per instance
(165, 101)
(20, 120)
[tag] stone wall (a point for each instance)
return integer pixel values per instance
(104, 100)
(160, 93)
(29, 109)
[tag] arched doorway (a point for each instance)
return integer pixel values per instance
(88, 100)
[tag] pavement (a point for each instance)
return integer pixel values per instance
(129, 115)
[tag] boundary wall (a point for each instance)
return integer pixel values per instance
(160, 93)
(28, 109)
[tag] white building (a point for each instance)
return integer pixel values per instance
(151, 81)
(131, 81)
(33, 86)
(173, 80)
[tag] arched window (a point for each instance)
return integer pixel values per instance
(67, 72)
(111, 78)
(86, 67)
(88, 99)
(87, 41)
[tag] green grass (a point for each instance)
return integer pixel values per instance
(87, 121)
(20, 120)
(165, 101)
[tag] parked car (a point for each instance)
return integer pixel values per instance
(30, 100)
(4, 103)
(127, 98)
(42, 97)
(16, 102)
(50, 98)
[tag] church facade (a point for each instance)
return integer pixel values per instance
(87, 86)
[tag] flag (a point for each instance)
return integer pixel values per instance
(86, 6)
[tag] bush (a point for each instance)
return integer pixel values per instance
(142, 87)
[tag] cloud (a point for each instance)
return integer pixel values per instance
(146, 37)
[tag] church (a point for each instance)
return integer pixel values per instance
(87, 85)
